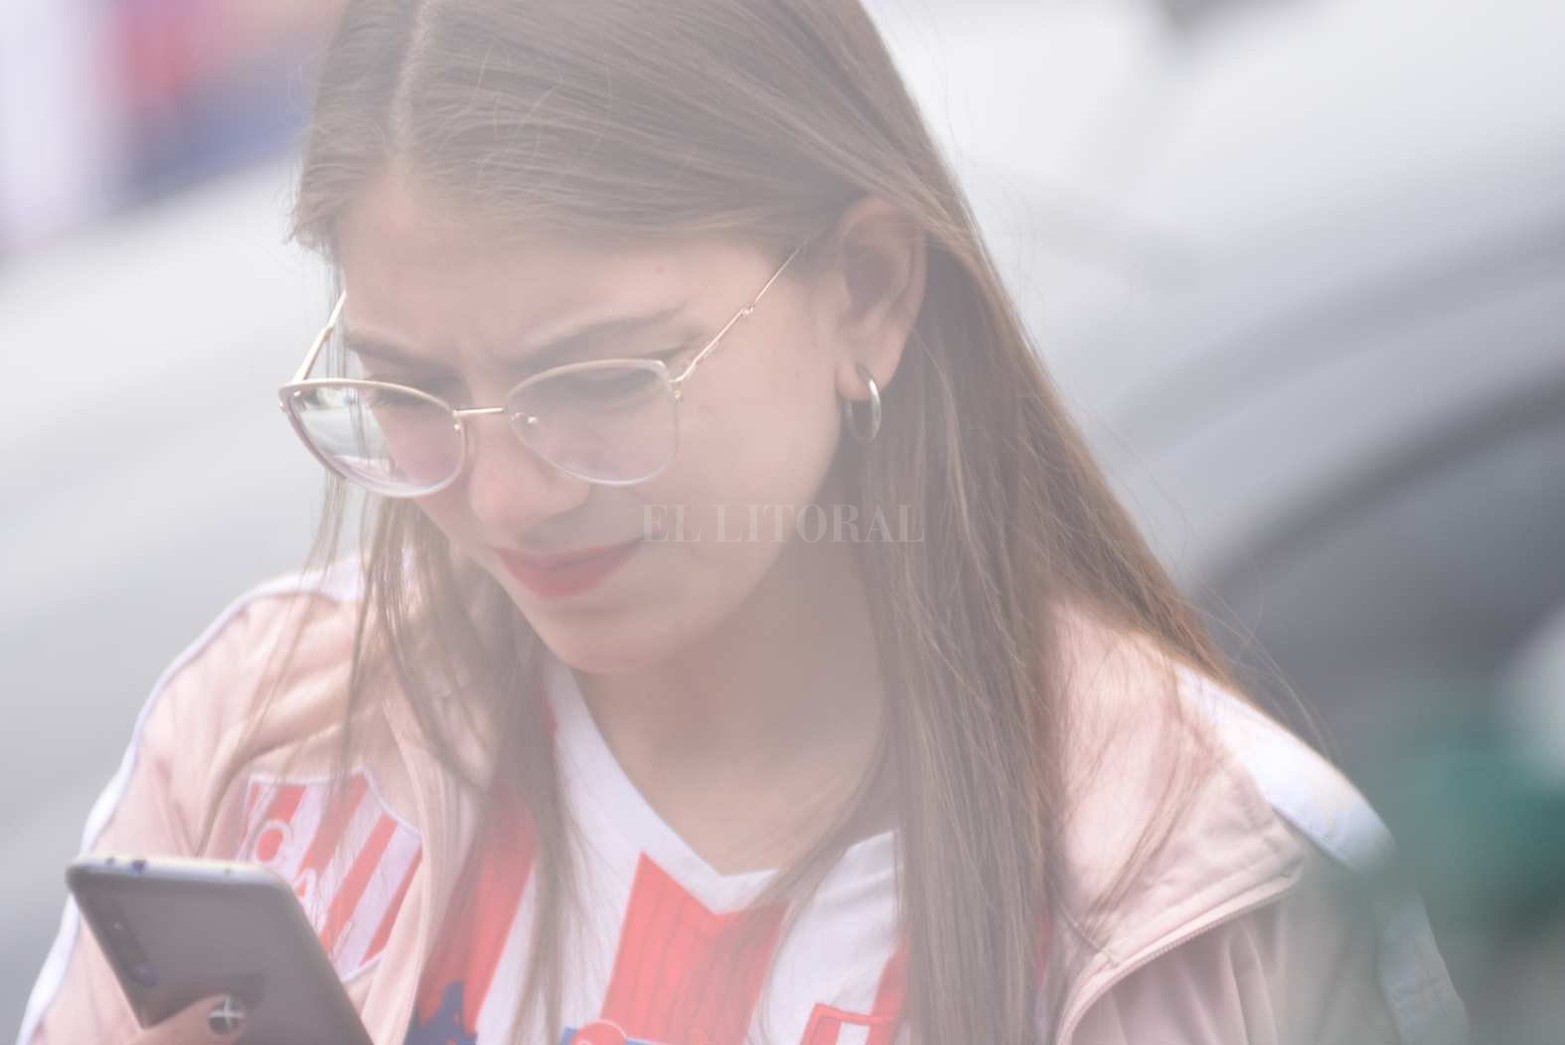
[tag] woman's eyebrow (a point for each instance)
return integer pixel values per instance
(540, 355)
(560, 348)
(385, 351)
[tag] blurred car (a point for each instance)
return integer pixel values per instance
(1298, 265)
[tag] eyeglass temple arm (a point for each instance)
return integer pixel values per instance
(320, 340)
(336, 312)
(718, 337)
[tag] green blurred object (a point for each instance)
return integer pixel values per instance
(1484, 830)
(1481, 827)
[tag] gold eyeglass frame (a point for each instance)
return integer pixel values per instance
(303, 382)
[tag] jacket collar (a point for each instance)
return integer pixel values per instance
(1144, 761)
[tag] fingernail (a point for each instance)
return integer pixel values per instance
(228, 1017)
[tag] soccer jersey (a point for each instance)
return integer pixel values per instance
(660, 947)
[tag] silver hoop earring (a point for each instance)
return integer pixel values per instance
(850, 415)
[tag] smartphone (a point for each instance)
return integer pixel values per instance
(177, 930)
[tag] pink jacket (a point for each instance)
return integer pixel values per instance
(1252, 925)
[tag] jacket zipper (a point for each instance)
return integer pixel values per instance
(1084, 1003)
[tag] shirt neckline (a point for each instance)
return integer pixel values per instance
(594, 773)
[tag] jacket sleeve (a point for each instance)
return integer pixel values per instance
(153, 805)
(1306, 970)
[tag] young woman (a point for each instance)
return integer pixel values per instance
(744, 647)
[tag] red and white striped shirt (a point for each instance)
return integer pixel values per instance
(651, 952)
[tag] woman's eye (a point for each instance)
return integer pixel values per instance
(629, 379)
(418, 383)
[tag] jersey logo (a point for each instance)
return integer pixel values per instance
(831, 1026)
(350, 866)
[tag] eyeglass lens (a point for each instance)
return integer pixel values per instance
(608, 422)
(611, 421)
(389, 441)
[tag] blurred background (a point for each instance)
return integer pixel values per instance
(1298, 265)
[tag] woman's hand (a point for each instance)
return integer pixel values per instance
(210, 1021)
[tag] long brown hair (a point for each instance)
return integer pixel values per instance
(762, 120)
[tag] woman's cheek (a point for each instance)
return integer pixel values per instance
(447, 510)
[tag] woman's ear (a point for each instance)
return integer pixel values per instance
(872, 289)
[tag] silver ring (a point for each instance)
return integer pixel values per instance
(227, 1017)
(850, 414)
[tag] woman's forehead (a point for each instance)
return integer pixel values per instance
(394, 228)
(421, 274)
(412, 266)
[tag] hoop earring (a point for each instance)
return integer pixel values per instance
(850, 415)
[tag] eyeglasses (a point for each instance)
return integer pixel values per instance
(609, 421)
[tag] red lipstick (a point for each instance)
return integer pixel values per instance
(559, 574)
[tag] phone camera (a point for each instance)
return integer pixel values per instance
(126, 950)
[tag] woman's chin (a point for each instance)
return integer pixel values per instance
(611, 644)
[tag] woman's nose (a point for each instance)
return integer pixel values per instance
(509, 487)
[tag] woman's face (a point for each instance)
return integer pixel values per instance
(758, 424)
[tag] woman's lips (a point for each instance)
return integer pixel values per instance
(566, 573)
